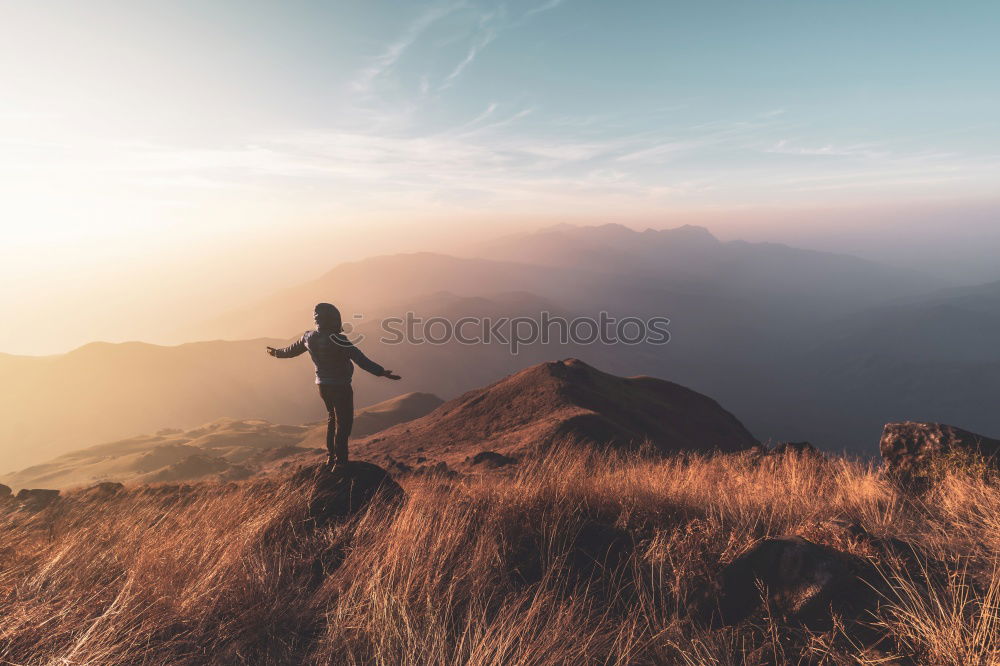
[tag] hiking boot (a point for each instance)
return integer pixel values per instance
(334, 463)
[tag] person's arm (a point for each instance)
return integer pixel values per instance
(291, 351)
(367, 364)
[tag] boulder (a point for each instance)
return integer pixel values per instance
(801, 581)
(599, 550)
(347, 489)
(593, 555)
(5, 492)
(490, 459)
(909, 449)
(438, 469)
(37, 498)
(796, 448)
(102, 491)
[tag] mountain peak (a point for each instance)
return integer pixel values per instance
(692, 231)
(564, 402)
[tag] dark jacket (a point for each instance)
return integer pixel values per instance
(332, 354)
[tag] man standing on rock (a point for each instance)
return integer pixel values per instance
(332, 354)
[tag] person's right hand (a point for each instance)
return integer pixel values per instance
(388, 374)
(271, 351)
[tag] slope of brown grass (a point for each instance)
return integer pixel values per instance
(524, 569)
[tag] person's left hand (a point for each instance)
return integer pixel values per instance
(388, 374)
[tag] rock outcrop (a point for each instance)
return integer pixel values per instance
(801, 581)
(36, 499)
(490, 460)
(347, 489)
(563, 403)
(796, 448)
(910, 449)
(101, 491)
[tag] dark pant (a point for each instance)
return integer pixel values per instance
(340, 408)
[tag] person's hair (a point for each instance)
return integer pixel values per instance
(328, 316)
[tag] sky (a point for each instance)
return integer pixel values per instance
(168, 159)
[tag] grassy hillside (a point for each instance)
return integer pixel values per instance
(579, 559)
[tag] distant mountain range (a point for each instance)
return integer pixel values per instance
(802, 344)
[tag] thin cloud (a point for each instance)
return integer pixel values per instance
(391, 55)
(474, 50)
(550, 5)
(660, 152)
(478, 119)
(490, 34)
(862, 150)
(483, 129)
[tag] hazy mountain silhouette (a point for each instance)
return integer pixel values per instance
(930, 359)
(692, 255)
(960, 324)
(684, 271)
(375, 287)
(102, 391)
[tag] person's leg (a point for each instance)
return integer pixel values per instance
(344, 406)
(329, 399)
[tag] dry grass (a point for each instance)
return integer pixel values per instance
(491, 571)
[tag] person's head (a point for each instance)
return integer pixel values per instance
(327, 317)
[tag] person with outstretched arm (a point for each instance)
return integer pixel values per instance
(334, 357)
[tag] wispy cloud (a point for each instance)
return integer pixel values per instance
(386, 60)
(473, 128)
(661, 151)
(551, 4)
(773, 113)
(485, 115)
(481, 43)
(862, 150)
(488, 161)
(486, 29)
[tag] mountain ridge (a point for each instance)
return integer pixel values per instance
(564, 402)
